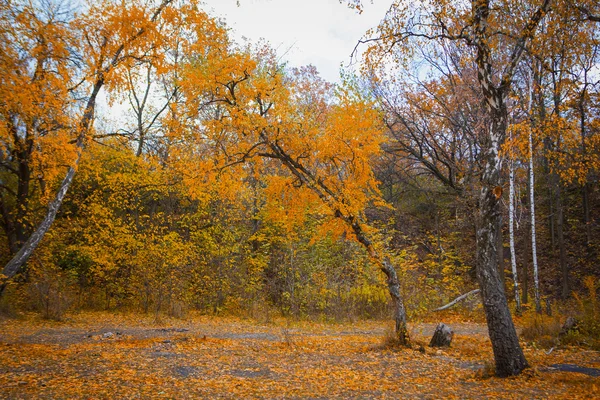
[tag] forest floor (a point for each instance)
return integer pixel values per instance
(106, 356)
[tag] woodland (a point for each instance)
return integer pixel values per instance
(236, 205)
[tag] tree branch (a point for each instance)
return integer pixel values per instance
(458, 299)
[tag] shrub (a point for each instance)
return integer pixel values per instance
(587, 332)
(541, 330)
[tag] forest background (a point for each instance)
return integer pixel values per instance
(239, 185)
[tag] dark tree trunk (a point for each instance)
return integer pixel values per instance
(505, 343)
(550, 199)
(24, 176)
(508, 354)
(524, 274)
(500, 249)
(8, 226)
(585, 194)
(565, 287)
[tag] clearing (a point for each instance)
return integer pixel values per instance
(100, 355)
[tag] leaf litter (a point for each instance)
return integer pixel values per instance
(217, 357)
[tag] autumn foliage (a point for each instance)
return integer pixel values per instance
(151, 164)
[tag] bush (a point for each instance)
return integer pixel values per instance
(541, 330)
(545, 331)
(587, 331)
(51, 291)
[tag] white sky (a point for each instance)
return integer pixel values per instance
(318, 32)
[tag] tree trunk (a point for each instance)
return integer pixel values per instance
(531, 186)
(525, 275)
(333, 200)
(536, 280)
(511, 223)
(500, 249)
(565, 287)
(399, 310)
(585, 194)
(19, 259)
(83, 127)
(505, 343)
(508, 354)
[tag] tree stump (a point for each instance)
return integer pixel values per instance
(442, 337)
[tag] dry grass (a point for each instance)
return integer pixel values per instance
(541, 330)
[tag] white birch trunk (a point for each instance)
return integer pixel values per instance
(536, 280)
(511, 223)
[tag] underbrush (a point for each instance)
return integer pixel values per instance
(541, 330)
(390, 341)
(547, 331)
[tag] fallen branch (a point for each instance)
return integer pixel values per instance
(459, 298)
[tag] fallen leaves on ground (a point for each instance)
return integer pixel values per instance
(234, 358)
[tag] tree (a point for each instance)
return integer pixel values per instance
(511, 227)
(323, 138)
(497, 50)
(104, 40)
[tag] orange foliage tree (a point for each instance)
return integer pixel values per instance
(242, 104)
(56, 59)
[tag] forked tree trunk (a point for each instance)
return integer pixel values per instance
(503, 335)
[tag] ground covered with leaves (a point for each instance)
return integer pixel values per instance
(125, 356)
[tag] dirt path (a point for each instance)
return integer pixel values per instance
(121, 357)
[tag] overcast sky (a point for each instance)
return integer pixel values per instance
(318, 32)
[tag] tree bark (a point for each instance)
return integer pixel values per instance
(500, 249)
(508, 354)
(531, 187)
(399, 310)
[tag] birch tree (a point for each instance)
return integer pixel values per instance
(498, 49)
(511, 229)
